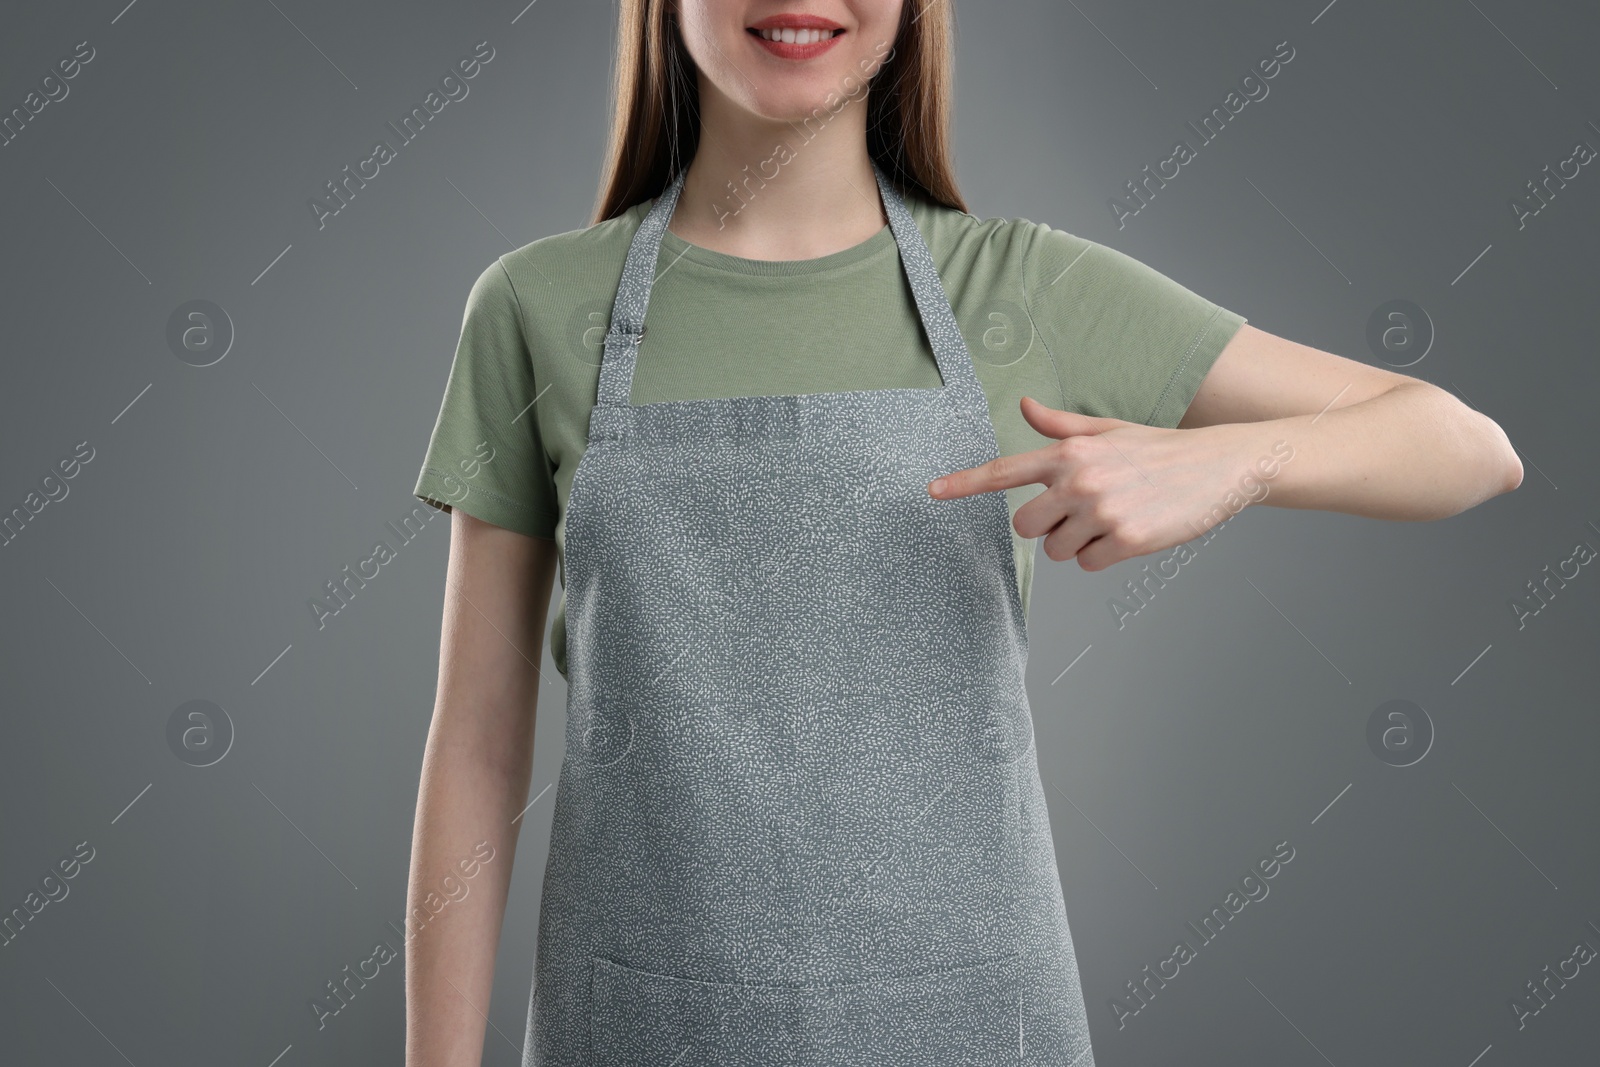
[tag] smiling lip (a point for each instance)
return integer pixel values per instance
(801, 23)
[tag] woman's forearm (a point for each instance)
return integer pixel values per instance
(1414, 453)
(476, 770)
(464, 814)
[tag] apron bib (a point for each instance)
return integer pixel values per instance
(799, 819)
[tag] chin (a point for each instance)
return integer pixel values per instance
(815, 101)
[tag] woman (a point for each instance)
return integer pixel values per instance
(799, 816)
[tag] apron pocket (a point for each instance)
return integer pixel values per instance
(965, 1017)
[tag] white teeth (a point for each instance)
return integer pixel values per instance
(792, 36)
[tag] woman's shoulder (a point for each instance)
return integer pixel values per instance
(1004, 250)
(998, 244)
(1037, 253)
(573, 256)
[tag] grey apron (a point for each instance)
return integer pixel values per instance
(799, 819)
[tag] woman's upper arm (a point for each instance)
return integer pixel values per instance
(1130, 342)
(486, 454)
(1260, 375)
(497, 593)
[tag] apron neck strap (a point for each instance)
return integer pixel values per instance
(638, 276)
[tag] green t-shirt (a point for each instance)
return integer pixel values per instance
(1074, 324)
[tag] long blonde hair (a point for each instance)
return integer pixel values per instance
(655, 118)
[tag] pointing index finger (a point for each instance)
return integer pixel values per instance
(1003, 472)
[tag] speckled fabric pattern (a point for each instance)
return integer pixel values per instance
(813, 833)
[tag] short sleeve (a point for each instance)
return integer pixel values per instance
(486, 456)
(1130, 342)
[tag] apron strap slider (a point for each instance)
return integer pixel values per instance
(629, 334)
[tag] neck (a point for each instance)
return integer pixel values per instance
(779, 190)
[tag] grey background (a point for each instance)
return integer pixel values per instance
(1229, 715)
